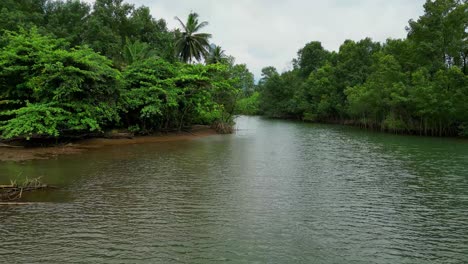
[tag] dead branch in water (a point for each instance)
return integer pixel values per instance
(14, 191)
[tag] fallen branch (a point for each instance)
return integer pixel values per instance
(14, 191)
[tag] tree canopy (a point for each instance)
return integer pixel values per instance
(417, 85)
(190, 43)
(68, 68)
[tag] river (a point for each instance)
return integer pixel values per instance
(274, 192)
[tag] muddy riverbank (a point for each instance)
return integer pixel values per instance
(24, 153)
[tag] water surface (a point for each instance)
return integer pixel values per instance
(275, 192)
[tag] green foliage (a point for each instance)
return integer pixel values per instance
(136, 51)
(243, 78)
(112, 23)
(354, 62)
(383, 97)
(439, 36)
(190, 43)
(34, 119)
(149, 92)
(161, 96)
(310, 58)
(216, 55)
(272, 93)
(249, 105)
(52, 89)
(318, 97)
(416, 85)
(66, 19)
(105, 26)
(16, 14)
(60, 62)
(277, 93)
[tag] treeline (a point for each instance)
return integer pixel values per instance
(417, 85)
(69, 68)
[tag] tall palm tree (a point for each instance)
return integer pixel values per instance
(216, 55)
(190, 44)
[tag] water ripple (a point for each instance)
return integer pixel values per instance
(276, 192)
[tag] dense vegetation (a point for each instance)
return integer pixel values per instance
(417, 85)
(68, 68)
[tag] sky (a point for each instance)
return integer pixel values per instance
(264, 33)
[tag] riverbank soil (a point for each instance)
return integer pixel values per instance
(25, 153)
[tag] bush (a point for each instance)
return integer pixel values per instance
(50, 90)
(249, 105)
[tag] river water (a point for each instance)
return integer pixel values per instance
(274, 192)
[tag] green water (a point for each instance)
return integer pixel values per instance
(275, 192)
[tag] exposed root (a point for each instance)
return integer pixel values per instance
(223, 128)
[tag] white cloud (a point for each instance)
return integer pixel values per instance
(269, 32)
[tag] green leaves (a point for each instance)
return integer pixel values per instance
(160, 96)
(58, 90)
(414, 85)
(190, 44)
(310, 58)
(249, 105)
(53, 87)
(32, 120)
(439, 36)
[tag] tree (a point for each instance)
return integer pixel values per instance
(277, 93)
(318, 97)
(382, 100)
(244, 78)
(106, 29)
(190, 44)
(150, 98)
(143, 27)
(310, 58)
(216, 55)
(440, 34)
(15, 14)
(66, 19)
(113, 24)
(134, 51)
(354, 62)
(249, 105)
(60, 63)
(49, 90)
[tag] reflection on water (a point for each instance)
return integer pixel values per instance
(275, 192)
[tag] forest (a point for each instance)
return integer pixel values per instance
(417, 85)
(68, 68)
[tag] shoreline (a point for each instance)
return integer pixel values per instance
(371, 128)
(43, 153)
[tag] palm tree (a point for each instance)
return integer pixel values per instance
(190, 44)
(216, 55)
(136, 51)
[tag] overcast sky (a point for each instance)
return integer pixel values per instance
(263, 33)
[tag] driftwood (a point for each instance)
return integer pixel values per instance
(14, 191)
